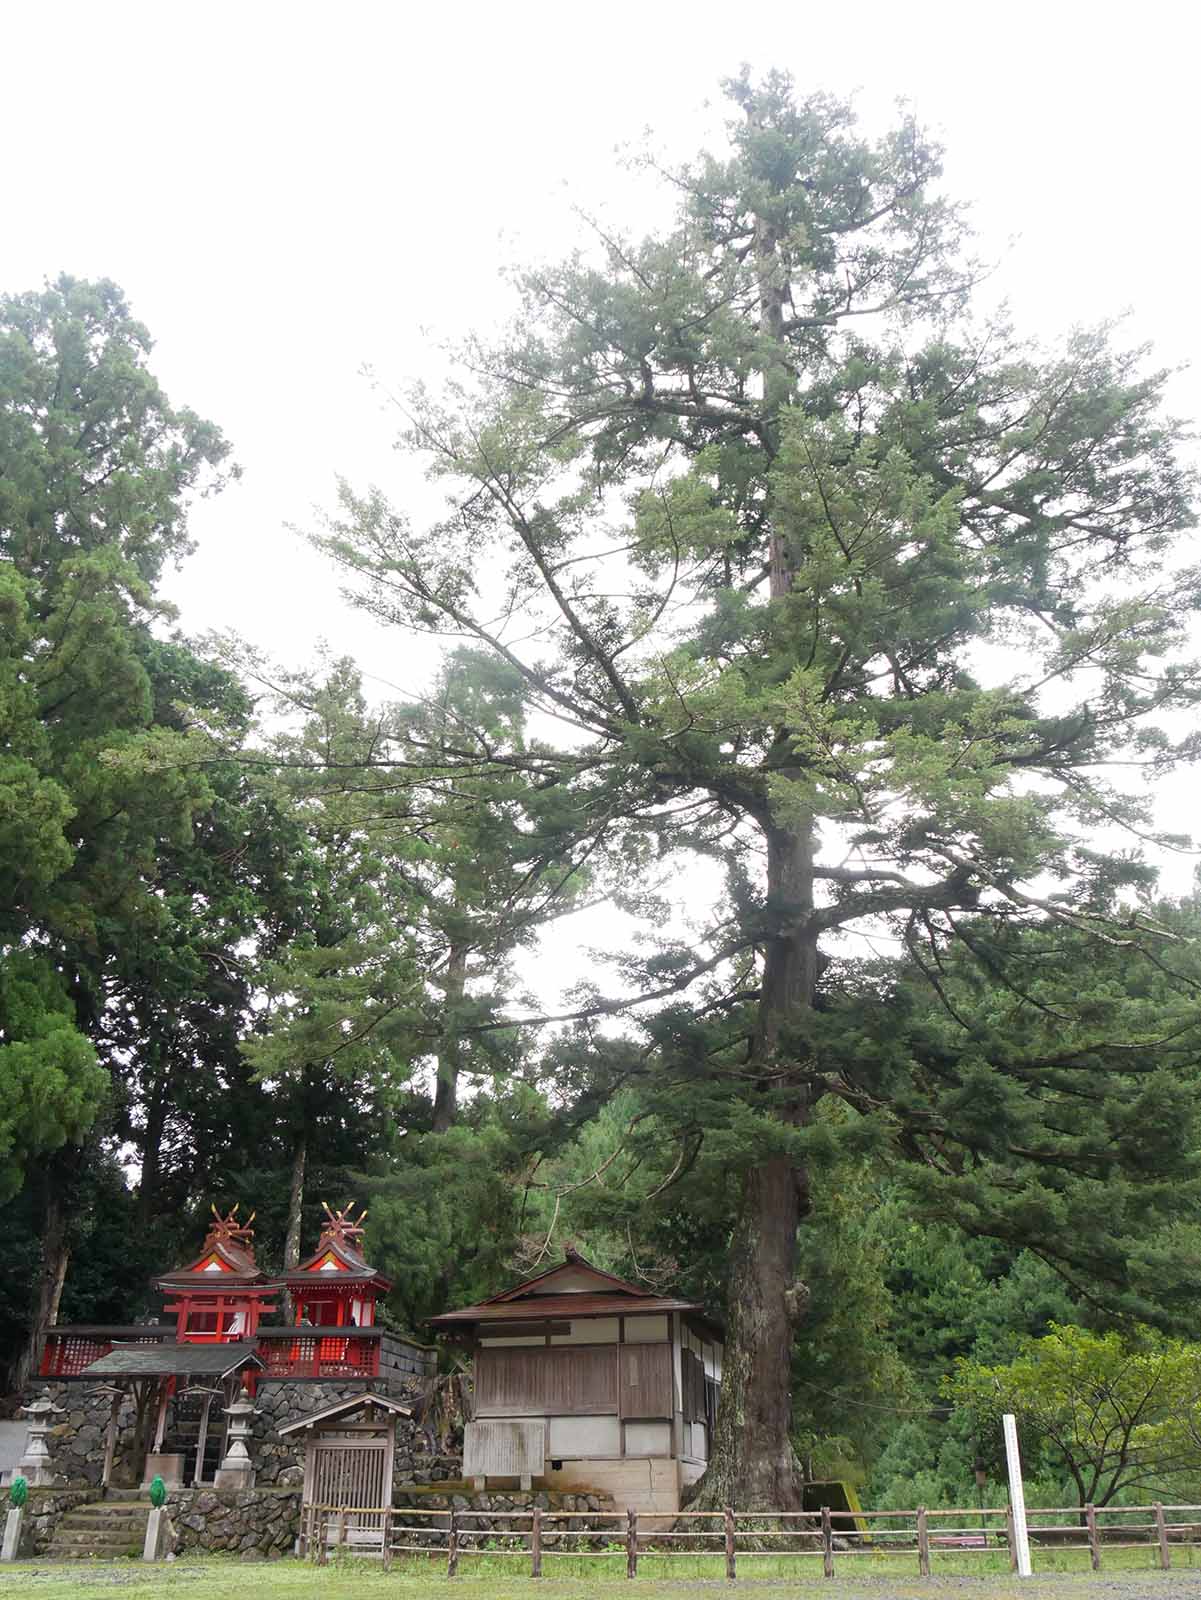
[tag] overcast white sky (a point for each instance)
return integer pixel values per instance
(287, 191)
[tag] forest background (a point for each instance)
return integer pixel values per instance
(196, 899)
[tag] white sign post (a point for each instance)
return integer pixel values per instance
(1017, 1496)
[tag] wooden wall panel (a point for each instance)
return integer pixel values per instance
(562, 1380)
(646, 1380)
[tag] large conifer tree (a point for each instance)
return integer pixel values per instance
(819, 577)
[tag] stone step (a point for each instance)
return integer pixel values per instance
(133, 1518)
(54, 1553)
(96, 1544)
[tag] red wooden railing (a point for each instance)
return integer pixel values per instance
(320, 1352)
(69, 1350)
(284, 1352)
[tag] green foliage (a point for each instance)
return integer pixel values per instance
(50, 1082)
(807, 573)
(158, 1492)
(1107, 1406)
(18, 1492)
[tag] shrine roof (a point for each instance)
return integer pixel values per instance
(173, 1361)
(558, 1306)
(573, 1287)
(348, 1259)
(338, 1253)
(227, 1254)
(345, 1407)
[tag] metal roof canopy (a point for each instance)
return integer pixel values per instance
(536, 1308)
(173, 1361)
(341, 1408)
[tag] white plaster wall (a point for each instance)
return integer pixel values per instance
(500, 1340)
(570, 1281)
(648, 1438)
(583, 1436)
(589, 1330)
(647, 1330)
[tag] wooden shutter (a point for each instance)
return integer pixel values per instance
(693, 1374)
(546, 1382)
(646, 1380)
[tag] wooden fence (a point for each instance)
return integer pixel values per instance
(736, 1537)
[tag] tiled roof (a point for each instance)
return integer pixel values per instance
(173, 1361)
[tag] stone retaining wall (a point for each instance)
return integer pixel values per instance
(255, 1524)
(77, 1443)
(263, 1523)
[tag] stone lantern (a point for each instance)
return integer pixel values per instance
(37, 1465)
(237, 1469)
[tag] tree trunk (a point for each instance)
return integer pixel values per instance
(300, 1157)
(752, 1464)
(446, 1088)
(152, 1146)
(48, 1290)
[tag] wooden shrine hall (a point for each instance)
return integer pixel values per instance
(584, 1381)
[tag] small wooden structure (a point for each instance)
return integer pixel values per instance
(222, 1295)
(335, 1287)
(585, 1381)
(349, 1450)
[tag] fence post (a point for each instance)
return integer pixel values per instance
(631, 1542)
(386, 1551)
(536, 1544)
(323, 1541)
(827, 1543)
(341, 1529)
(452, 1545)
(1161, 1528)
(1011, 1539)
(923, 1543)
(731, 1555)
(1094, 1543)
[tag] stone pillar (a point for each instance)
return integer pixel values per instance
(159, 1534)
(37, 1465)
(237, 1470)
(12, 1533)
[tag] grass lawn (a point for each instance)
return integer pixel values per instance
(1129, 1574)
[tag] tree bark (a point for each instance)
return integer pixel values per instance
(48, 1290)
(752, 1463)
(446, 1089)
(300, 1156)
(152, 1146)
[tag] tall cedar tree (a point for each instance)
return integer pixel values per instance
(97, 934)
(750, 507)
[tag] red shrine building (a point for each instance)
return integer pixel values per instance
(221, 1330)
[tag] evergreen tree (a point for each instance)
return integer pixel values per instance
(747, 507)
(95, 470)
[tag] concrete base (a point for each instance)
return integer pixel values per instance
(36, 1475)
(233, 1478)
(169, 1468)
(12, 1533)
(649, 1485)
